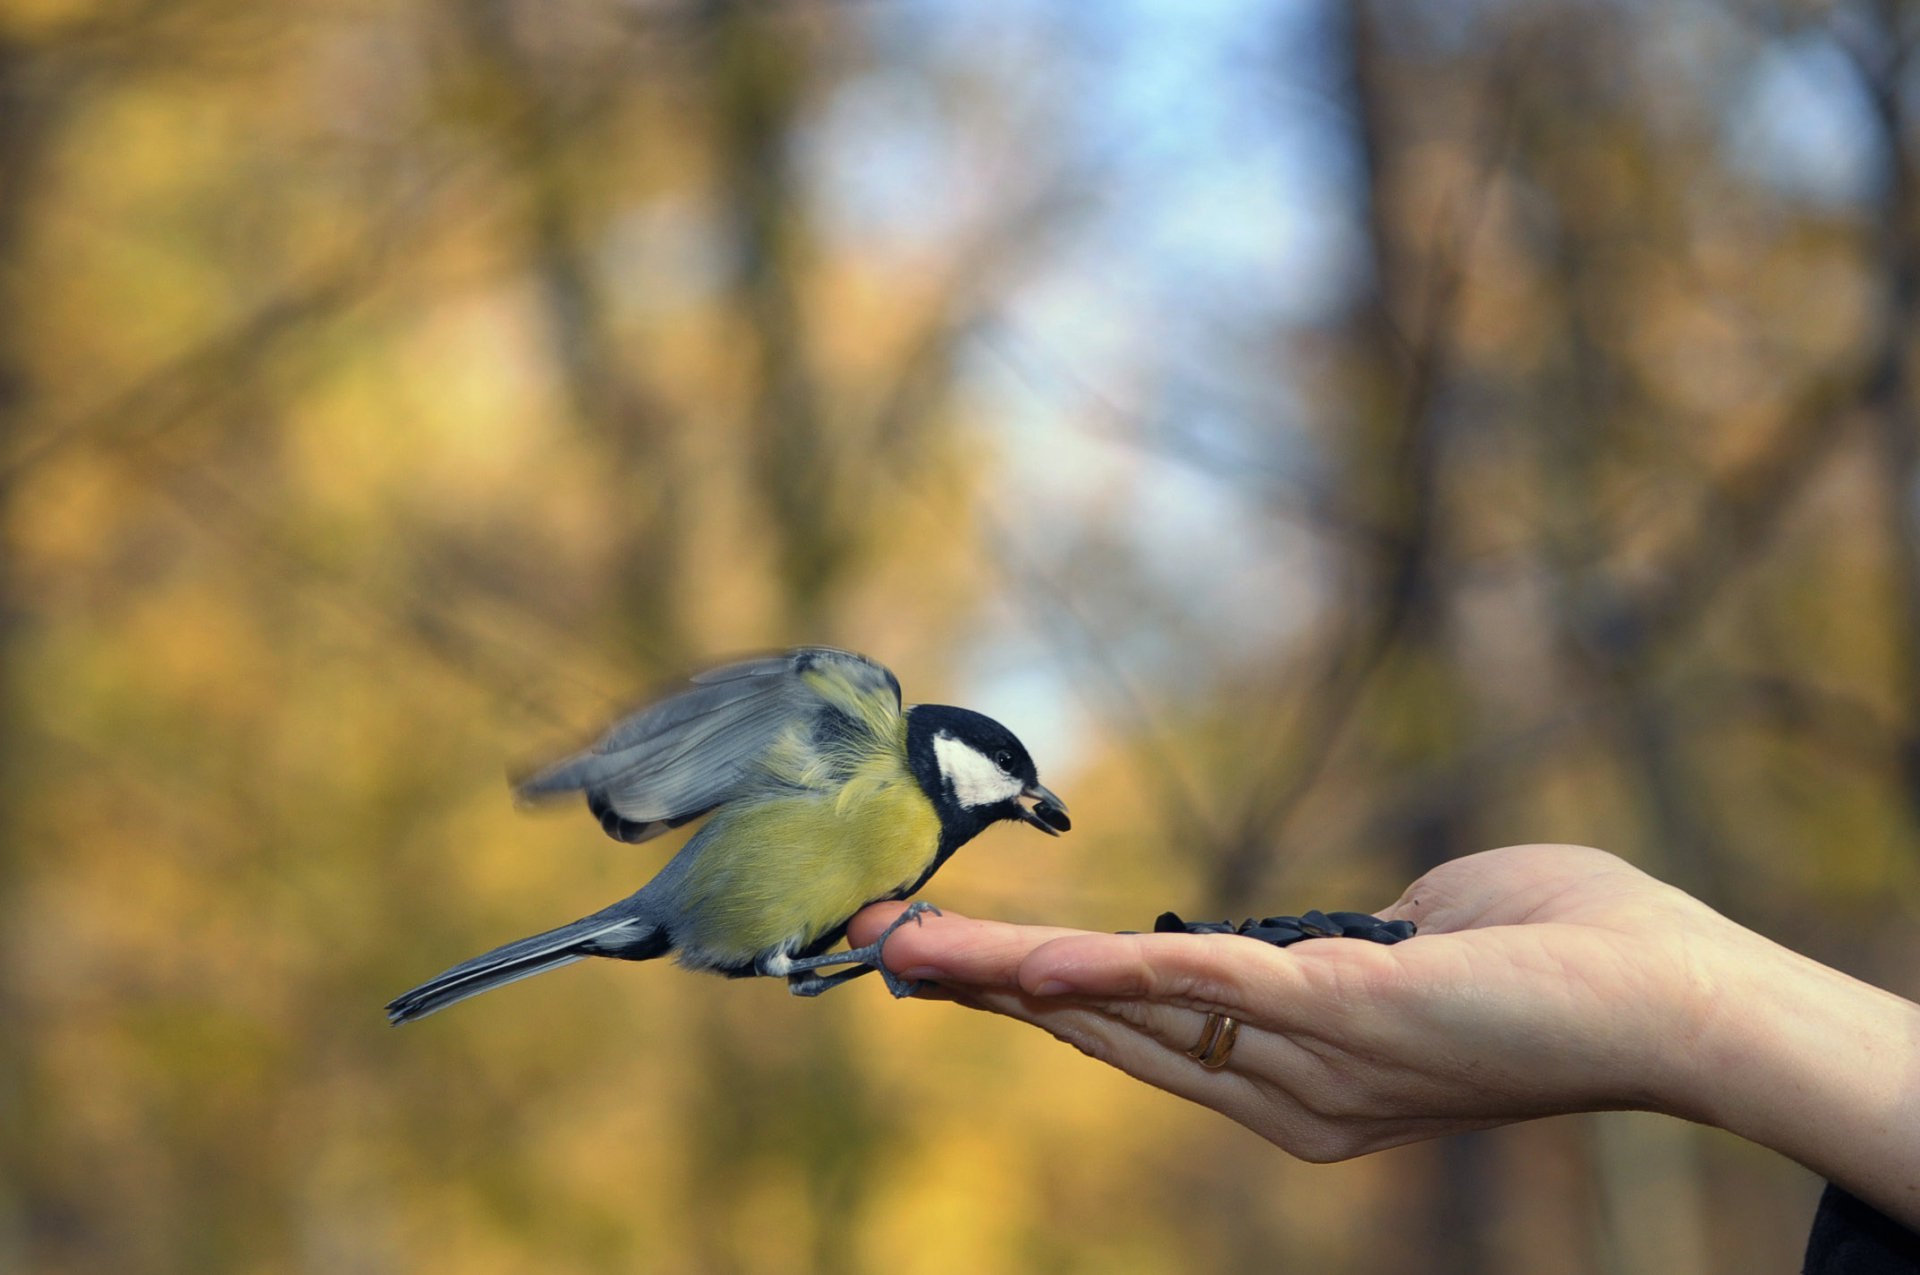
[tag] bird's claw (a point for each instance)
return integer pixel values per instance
(900, 987)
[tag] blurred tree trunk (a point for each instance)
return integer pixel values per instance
(832, 1139)
(28, 111)
(1647, 1169)
(1399, 343)
(1882, 53)
(1393, 352)
(1394, 669)
(604, 390)
(800, 477)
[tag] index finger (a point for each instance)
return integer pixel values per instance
(1196, 971)
(951, 948)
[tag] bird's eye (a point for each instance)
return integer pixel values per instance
(1004, 760)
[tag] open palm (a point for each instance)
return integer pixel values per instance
(1544, 979)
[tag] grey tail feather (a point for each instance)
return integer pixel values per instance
(527, 957)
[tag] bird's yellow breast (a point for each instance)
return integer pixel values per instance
(781, 872)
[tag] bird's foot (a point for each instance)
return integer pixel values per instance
(802, 981)
(900, 987)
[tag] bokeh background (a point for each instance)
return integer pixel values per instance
(1337, 437)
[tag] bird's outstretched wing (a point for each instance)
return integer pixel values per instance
(670, 763)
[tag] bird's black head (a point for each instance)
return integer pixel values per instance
(977, 774)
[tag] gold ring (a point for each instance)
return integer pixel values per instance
(1216, 1042)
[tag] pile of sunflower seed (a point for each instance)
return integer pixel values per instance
(1283, 930)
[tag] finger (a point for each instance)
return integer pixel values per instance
(1166, 1026)
(1136, 1050)
(869, 922)
(1270, 1084)
(951, 948)
(1252, 1088)
(1222, 972)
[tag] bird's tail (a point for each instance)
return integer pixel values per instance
(627, 937)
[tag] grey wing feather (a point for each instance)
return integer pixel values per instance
(674, 761)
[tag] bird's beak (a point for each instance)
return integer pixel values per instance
(1048, 814)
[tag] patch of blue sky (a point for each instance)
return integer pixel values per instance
(1221, 563)
(1213, 164)
(1060, 465)
(1015, 674)
(1799, 120)
(953, 33)
(1210, 190)
(1133, 375)
(1240, 240)
(1189, 488)
(882, 163)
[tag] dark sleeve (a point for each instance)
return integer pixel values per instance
(1850, 1238)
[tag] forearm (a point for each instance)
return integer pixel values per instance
(1818, 1066)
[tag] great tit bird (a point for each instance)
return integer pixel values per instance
(825, 795)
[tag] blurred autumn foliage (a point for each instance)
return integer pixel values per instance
(1337, 437)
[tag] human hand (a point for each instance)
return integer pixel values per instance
(1544, 979)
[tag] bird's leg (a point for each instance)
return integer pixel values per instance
(811, 984)
(868, 958)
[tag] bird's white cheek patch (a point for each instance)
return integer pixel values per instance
(976, 780)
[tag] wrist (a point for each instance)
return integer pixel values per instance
(1816, 1065)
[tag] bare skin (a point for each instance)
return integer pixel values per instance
(1545, 979)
